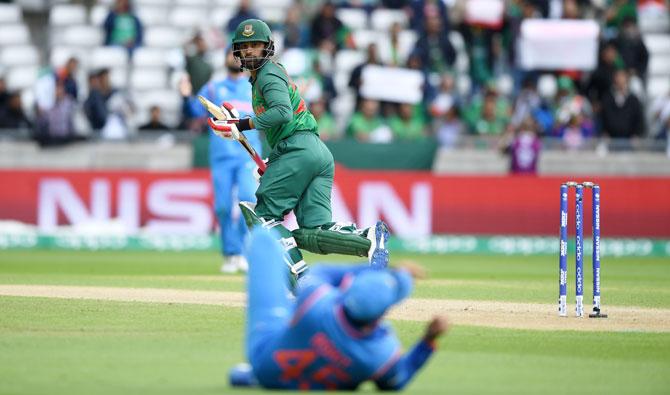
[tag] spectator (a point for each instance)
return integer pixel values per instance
(571, 10)
(575, 130)
(448, 127)
(44, 91)
(155, 121)
(356, 77)
(326, 26)
(244, 12)
(446, 96)
(618, 11)
(421, 10)
(601, 79)
(391, 51)
(527, 102)
(325, 55)
(11, 112)
(524, 148)
(517, 13)
(99, 92)
(632, 49)
(296, 32)
(316, 85)
(569, 103)
(327, 125)
(479, 46)
(4, 95)
(414, 63)
(543, 7)
(491, 121)
(67, 75)
(197, 67)
(395, 4)
(366, 125)
(123, 27)
(434, 48)
(118, 120)
(57, 126)
(660, 112)
(407, 125)
(489, 115)
(622, 115)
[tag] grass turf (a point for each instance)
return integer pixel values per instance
(91, 347)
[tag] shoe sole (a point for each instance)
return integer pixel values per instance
(380, 255)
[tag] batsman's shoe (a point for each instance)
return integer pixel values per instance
(378, 255)
(234, 264)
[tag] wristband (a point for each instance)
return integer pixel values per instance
(244, 124)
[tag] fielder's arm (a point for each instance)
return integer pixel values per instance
(402, 372)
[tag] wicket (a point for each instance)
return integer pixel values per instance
(579, 246)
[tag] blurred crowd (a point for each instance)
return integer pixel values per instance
(605, 103)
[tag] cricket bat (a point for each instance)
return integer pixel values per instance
(218, 114)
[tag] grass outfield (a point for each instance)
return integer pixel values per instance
(67, 346)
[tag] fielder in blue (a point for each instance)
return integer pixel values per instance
(332, 337)
(232, 168)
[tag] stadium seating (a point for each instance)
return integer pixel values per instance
(353, 18)
(19, 55)
(67, 15)
(14, 34)
(10, 14)
(152, 15)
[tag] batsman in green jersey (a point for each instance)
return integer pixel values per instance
(300, 168)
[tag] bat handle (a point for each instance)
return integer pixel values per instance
(261, 165)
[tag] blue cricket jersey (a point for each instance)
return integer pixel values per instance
(322, 350)
(238, 93)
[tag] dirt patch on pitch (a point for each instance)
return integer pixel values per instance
(534, 316)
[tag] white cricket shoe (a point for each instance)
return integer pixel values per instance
(378, 255)
(234, 264)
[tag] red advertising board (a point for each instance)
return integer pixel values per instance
(413, 203)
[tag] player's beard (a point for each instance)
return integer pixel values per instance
(253, 62)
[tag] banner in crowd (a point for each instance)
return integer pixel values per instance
(558, 44)
(414, 204)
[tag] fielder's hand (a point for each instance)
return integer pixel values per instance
(415, 270)
(436, 328)
(226, 128)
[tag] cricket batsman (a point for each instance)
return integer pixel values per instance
(300, 168)
(332, 336)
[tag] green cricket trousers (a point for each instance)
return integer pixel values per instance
(299, 177)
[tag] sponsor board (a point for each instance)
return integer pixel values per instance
(414, 204)
(440, 244)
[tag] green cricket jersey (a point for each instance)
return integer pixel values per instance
(279, 110)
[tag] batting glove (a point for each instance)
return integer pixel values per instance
(227, 127)
(230, 112)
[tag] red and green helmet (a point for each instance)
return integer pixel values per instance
(253, 30)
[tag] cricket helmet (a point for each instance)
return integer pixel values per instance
(253, 30)
(372, 292)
